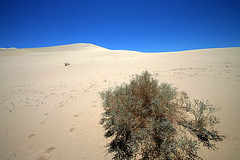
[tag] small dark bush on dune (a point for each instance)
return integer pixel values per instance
(151, 121)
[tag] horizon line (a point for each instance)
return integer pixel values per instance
(118, 49)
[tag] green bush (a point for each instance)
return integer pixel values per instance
(151, 121)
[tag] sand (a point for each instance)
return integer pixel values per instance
(52, 111)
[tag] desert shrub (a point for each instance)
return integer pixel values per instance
(150, 121)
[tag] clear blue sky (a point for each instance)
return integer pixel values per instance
(141, 25)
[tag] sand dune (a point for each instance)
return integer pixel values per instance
(49, 111)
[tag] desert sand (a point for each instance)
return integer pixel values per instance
(52, 111)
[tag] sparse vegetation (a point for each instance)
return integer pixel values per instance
(150, 121)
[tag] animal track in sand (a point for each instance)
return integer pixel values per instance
(61, 104)
(46, 113)
(32, 134)
(76, 115)
(89, 88)
(46, 154)
(12, 155)
(72, 128)
(43, 122)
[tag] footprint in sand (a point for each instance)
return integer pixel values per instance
(72, 128)
(42, 122)
(45, 154)
(76, 115)
(47, 113)
(32, 134)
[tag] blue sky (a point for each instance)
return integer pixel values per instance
(141, 25)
